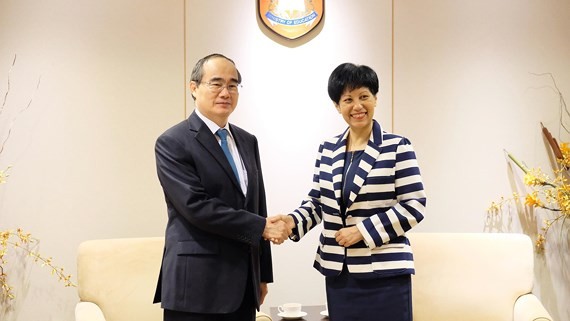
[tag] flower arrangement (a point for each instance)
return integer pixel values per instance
(552, 194)
(24, 241)
(19, 240)
(544, 192)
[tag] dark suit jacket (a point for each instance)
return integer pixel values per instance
(214, 233)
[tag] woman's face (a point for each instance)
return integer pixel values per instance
(357, 107)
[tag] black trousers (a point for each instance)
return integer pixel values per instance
(246, 311)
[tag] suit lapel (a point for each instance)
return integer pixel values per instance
(337, 172)
(205, 137)
(371, 154)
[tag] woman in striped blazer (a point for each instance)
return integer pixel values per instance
(368, 192)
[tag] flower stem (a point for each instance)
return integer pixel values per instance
(516, 161)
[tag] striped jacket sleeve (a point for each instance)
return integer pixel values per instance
(309, 213)
(407, 209)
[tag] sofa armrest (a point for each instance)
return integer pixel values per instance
(88, 311)
(260, 316)
(529, 308)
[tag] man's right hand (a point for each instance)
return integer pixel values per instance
(276, 230)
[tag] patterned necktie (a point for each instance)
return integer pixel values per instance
(223, 134)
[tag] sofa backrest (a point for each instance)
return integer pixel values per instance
(470, 276)
(459, 276)
(120, 275)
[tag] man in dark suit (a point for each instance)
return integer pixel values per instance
(217, 257)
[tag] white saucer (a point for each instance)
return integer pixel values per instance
(292, 316)
(325, 313)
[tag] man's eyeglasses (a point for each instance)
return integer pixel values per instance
(218, 86)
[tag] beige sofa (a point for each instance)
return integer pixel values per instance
(117, 278)
(459, 277)
(474, 277)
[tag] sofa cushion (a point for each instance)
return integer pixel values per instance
(120, 275)
(470, 276)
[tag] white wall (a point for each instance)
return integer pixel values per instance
(113, 77)
(464, 91)
(83, 155)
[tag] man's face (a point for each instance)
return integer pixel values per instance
(212, 100)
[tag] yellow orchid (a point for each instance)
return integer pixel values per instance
(565, 149)
(535, 177)
(565, 160)
(545, 193)
(533, 200)
(25, 242)
(4, 175)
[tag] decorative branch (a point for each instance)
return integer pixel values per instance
(8, 89)
(563, 106)
(23, 241)
(22, 110)
(552, 195)
(20, 240)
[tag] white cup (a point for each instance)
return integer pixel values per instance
(292, 309)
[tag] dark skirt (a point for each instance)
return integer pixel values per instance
(382, 299)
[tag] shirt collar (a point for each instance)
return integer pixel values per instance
(211, 125)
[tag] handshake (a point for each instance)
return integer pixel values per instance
(278, 228)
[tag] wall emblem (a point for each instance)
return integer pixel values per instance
(291, 18)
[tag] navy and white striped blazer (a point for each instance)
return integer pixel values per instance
(387, 199)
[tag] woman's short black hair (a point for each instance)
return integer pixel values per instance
(350, 76)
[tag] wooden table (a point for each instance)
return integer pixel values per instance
(313, 314)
